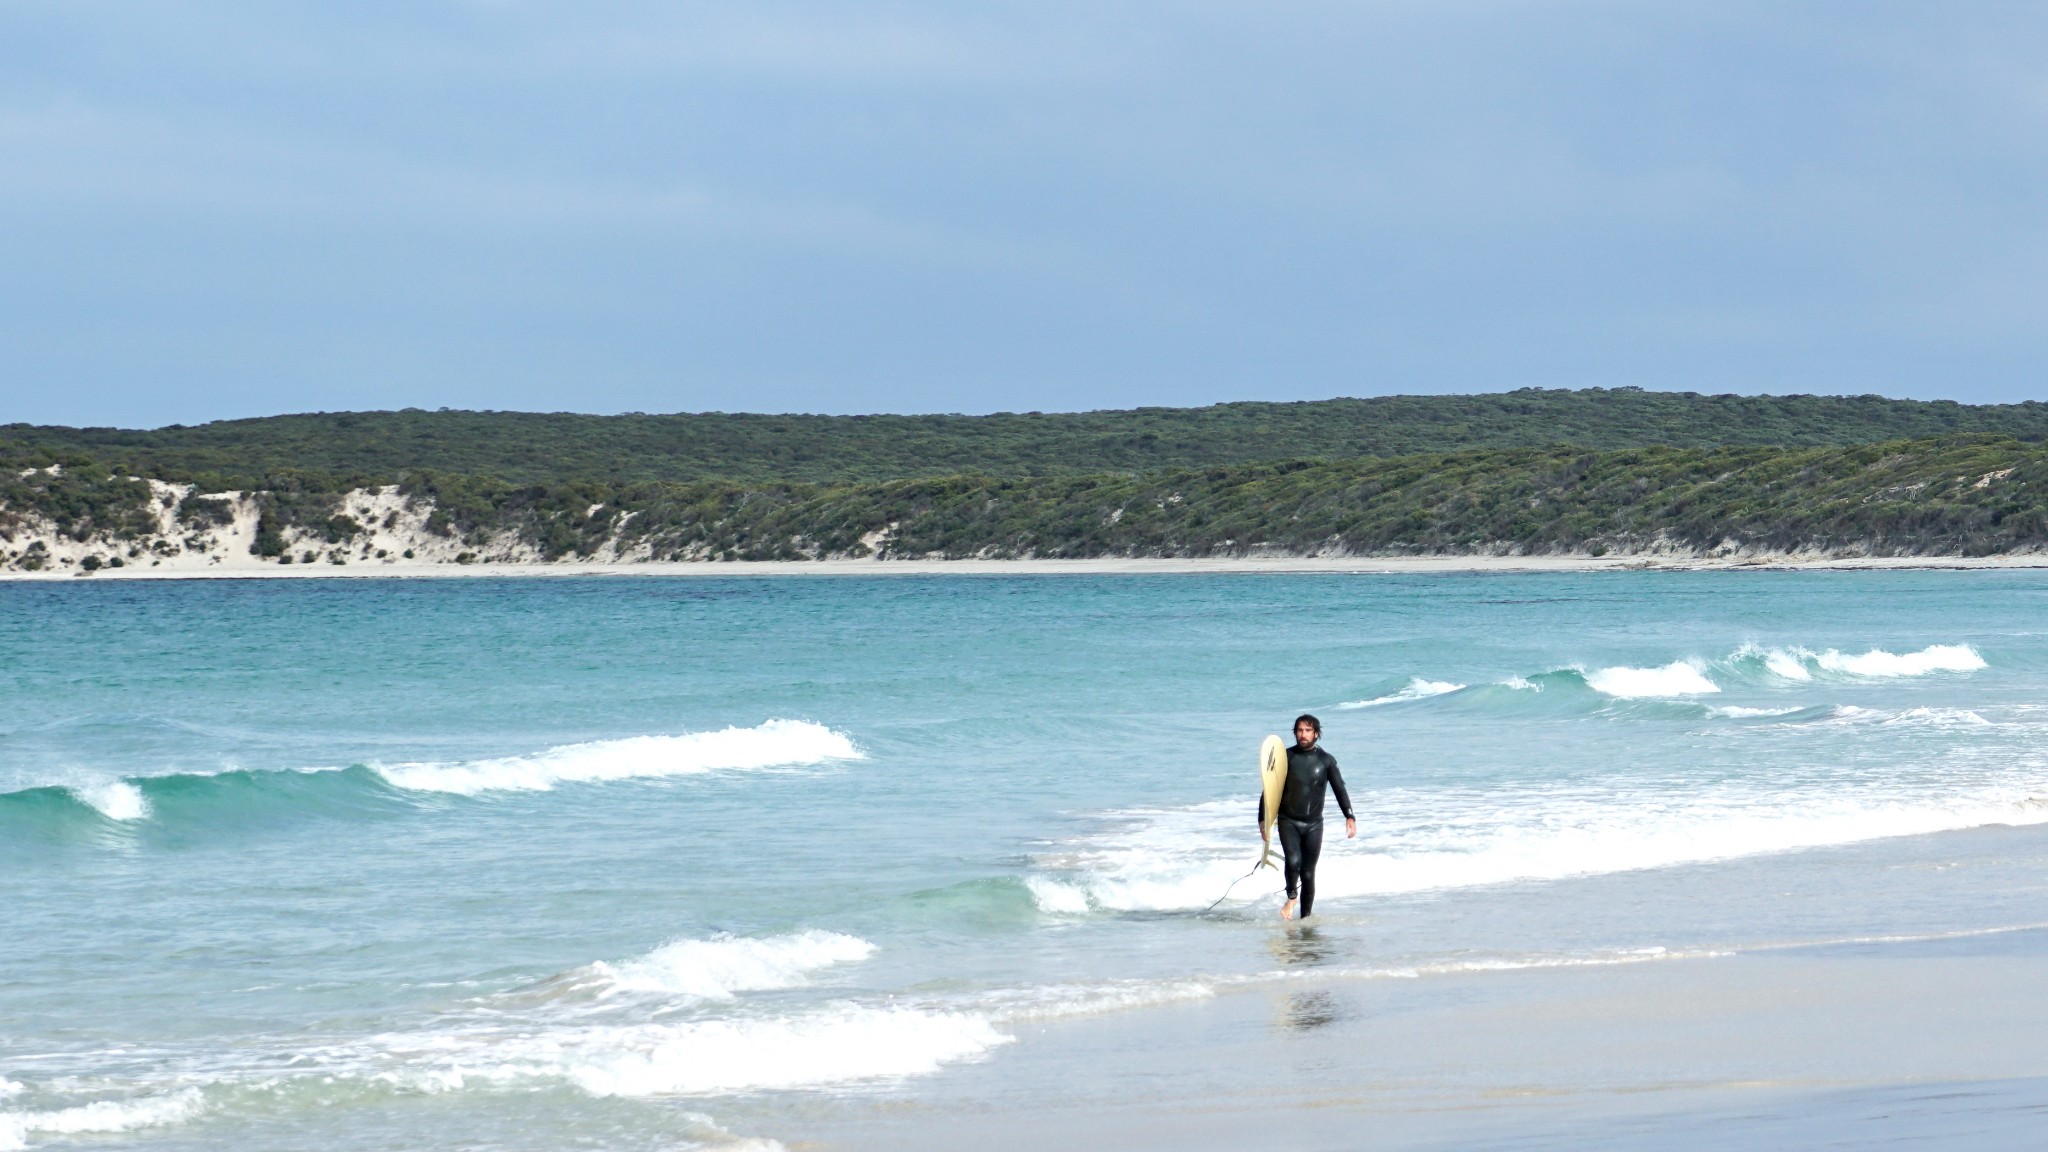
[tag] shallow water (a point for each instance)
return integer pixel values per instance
(599, 863)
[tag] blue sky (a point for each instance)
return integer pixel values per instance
(227, 209)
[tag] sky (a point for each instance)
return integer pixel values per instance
(213, 210)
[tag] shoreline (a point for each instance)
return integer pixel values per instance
(1119, 566)
(1758, 1047)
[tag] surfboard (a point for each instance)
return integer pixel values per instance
(1272, 778)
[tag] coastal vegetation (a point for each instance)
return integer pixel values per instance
(331, 451)
(1970, 495)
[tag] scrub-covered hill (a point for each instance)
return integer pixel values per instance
(1945, 496)
(362, 448)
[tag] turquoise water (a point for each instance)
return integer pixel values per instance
(632, 863)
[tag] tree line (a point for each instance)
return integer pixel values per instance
(1966, 495)
(330, 450)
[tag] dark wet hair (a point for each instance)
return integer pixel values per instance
(1312, 722)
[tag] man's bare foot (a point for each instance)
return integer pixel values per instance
(1287, 910)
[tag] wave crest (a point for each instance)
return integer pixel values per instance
(1879, 663)
(1417, 688)
(1800, 664)
(719, 968)
(100, 1116)
(774, 744)
(1678, 678)
(115, 799)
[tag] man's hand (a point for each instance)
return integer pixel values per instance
(1350, 828)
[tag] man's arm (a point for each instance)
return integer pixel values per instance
(1343, 797)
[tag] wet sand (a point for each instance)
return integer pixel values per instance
(1774, 1021)
(1833, 1045)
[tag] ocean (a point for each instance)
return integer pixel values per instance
(660, 863)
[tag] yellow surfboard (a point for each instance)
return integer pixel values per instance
(1272, 778)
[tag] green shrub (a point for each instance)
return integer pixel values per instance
(205, 512)
(269, 539)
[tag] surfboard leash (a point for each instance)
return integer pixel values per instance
(1265, 861)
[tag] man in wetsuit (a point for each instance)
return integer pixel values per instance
(1300, 821)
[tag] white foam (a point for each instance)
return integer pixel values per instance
(721, 967)
(1055, 1001)
(115, 799)
(100, 1116)
(1417, 688)
(10, 1088)
(1678, 678)
(1799, 664)
(1922, 717)
(713, 1048)
(1055, 897)
(775, 744)
(839, 1044)
(1521, 685)
(1789, 665)
(1938, 718)
(1494, 964)
(1432, 839)
(842, 1046)
(1878, 663)
(1738, 712)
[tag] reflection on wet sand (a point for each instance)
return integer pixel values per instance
(1302, 946)
(1307, 1011)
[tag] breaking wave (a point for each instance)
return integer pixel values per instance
(1802, 664)
(1678, 678)
(1908, 718)
(693, 1041)
(100, 1116)
(722, 967)
(1419, 840)
(775, 744)
(115, 799)
(1416, 689)
(1691, 676)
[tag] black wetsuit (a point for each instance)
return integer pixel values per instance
(1300, 822)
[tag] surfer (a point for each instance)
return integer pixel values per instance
(1300, 813)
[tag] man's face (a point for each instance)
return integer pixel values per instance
(1304, 735)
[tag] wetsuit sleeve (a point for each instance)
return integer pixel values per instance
(1337, 786)
(1262, 809)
